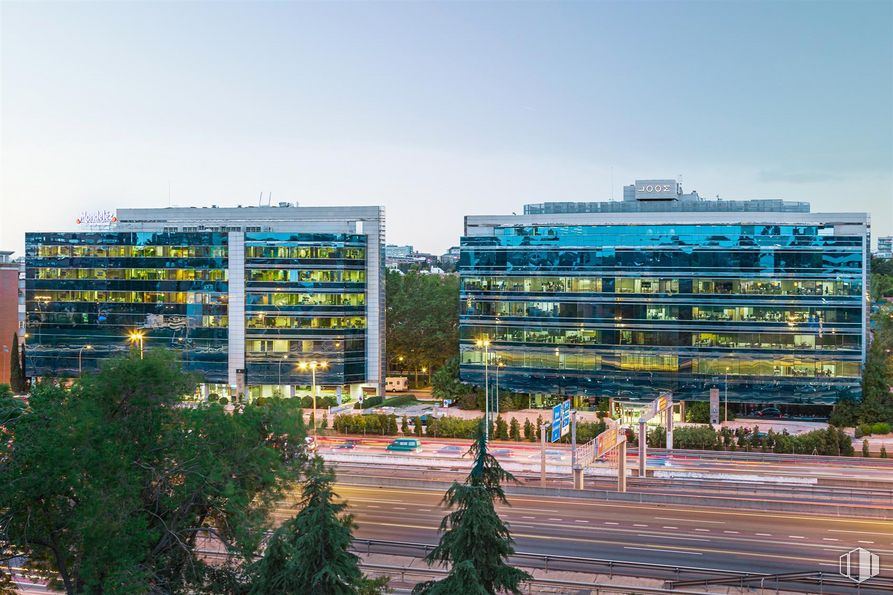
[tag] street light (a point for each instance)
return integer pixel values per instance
(137, 337)
(499, 364)
(312, 366)
(80, 352)
(485, 345)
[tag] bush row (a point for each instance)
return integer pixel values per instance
(869, 429)
(830, 441)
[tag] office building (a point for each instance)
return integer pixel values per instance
(770, 304)
(248, 296)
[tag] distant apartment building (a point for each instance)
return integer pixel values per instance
(9, 311)
(248, 296)
(671, 292)
(884, 247)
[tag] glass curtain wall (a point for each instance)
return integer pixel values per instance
(305, 301)
(87, 292)
(623, 311)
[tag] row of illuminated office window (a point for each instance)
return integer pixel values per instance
(638, 362)
(262, 321)
(623, 313)
(297, 276)
(623, 260)
(282, 347)
(306, 299)
(132, 251)
(571, 336)
(120, 319)
(132, 274)
(292, 252)
(137, 297)
(649, 285)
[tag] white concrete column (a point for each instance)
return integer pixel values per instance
(236, 308)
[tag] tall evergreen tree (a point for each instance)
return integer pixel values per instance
(16, 375)
(475, 541)
(310, 552)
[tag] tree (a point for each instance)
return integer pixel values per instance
(16, 374)
(422, 318)
(110, 484)
(475, 541)
(417, 424)
(404, 426)
(445, 382)
(310, 553)
(501, 429)
(529, 434)
(515, 430)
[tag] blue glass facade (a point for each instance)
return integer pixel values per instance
(305, 300)
(86, 292)
(623, 310)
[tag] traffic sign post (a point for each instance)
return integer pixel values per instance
(658, 407)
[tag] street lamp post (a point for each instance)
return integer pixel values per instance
(312, 366)
(80, 352)
(137, 337)
(499, 364)
(485, 344)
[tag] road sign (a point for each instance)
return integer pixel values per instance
(556, 423)
(565, 417)
(714, 406)
(608, 440)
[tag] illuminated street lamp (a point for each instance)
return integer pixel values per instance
(80, 352)
(137, 337)
(485, 345)
(312, 366)
(499, 364)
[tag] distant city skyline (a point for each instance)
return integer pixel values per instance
(439, 110)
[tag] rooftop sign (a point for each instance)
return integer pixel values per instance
(96, 219)
(656, 189)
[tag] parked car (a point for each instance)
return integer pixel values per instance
(770, 412)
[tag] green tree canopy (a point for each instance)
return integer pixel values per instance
(310, 552)
(422, 319)
(112, 483)
(475, 541)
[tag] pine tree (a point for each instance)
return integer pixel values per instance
(16, 375)
(475, 541)
(502, 429)
(528, 431)
(417, 422)
(404, 426)
(515, 430)
(310, 552)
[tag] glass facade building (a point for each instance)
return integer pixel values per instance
(625, 305)
(248, 296)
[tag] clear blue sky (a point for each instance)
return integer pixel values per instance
(438, 110)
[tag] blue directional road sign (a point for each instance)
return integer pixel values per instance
(556, 423)
(565, 417)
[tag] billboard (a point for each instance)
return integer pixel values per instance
(656, 189)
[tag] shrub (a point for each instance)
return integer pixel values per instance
(865, 452)
(501, 429)
(528, 430)
(883, 452)
(404, 426)
(880, 428)
(417, 423)
(865, 429)
(453, 427)
(223, 401)
(515, 430)
(383, 425)
(697, 412)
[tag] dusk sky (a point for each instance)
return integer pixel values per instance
(438, 110)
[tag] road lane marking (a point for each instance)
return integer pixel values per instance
(850, 531)
(528, 517)
(399, 508)
(702, 510)
(662, 551)
(581, 521)
(611, 523)
(829, 539)
(659, 536)
(764, 534)
(665, 518)
(861, 541)
(731, 532)
(559, 520)
(702, 530)
(796, 537)
(669, 527)
(639, 525)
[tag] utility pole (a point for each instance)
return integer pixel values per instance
(643, 446)
(576, 468)
(621, 466)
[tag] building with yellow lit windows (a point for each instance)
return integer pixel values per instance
(666, 291)
(251, 297)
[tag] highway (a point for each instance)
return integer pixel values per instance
(702, 537)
